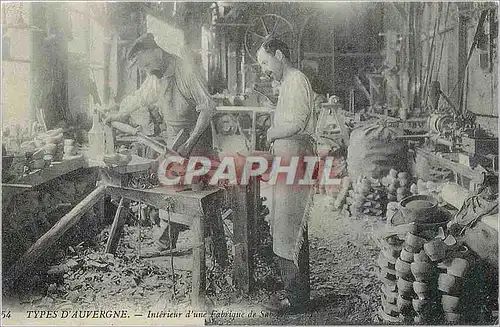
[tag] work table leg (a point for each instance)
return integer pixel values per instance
(117, 227)
(199, 267)
(219, 239)
(241, 200)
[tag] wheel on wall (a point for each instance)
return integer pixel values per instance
(264, 27)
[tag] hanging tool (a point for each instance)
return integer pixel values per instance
(477, 36)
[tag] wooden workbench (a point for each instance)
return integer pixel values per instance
(200, 210)
(41, 176)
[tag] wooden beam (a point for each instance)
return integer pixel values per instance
(54, 234)
(345, 54)
(217, 228)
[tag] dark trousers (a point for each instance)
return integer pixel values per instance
(296, 279)
(166, 230)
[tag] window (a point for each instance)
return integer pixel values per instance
(86, 56)
(15, 64)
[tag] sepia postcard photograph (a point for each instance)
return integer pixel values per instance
(177, 163)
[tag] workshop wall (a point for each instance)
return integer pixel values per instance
(481, 89)
(447, 35)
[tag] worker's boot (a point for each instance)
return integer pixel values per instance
(168, 230)
(284, 306)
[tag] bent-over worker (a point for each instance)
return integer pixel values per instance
(175, 86)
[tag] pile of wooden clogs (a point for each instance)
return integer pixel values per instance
(423, 274)
(367, 197)
(451, 281)
(390, 249)
(44, 148)
(413, 292)
(397, 185)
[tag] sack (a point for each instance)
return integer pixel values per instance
(373, 151)
(483, 240)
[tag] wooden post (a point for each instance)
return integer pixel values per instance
(462, 60)
(199, 274)
(49, 238)
(255, 194)
(219, 239)
(117, 226)
(108, 176)
(241, 203)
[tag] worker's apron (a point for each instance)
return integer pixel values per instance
(291, 202)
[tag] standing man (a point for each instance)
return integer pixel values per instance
(177, 89)
(291, 136)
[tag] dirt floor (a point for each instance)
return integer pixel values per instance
(344, 285)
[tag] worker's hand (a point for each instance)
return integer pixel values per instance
(115, 116)
(185, 149)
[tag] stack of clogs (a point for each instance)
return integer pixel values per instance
(367, 197)
(390, 249)
(424, 271)
(413, 223)
(450, 283)
(397, 185)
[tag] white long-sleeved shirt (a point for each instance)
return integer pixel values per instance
(180, 95)
(295, 103)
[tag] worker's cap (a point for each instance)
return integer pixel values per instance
(144, 42)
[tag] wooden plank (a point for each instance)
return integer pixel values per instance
(474, 176)
(187, 203)
(345, 54)
(54, 171)
(137, 164)
(244, 109)
(116, 228)
(55, 233)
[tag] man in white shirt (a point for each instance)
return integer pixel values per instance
(291, 136)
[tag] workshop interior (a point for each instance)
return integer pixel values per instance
(405, 102)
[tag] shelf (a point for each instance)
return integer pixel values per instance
(474, 176)
(22, 27)
(26, 61)
(244, 109)
(346, 54)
